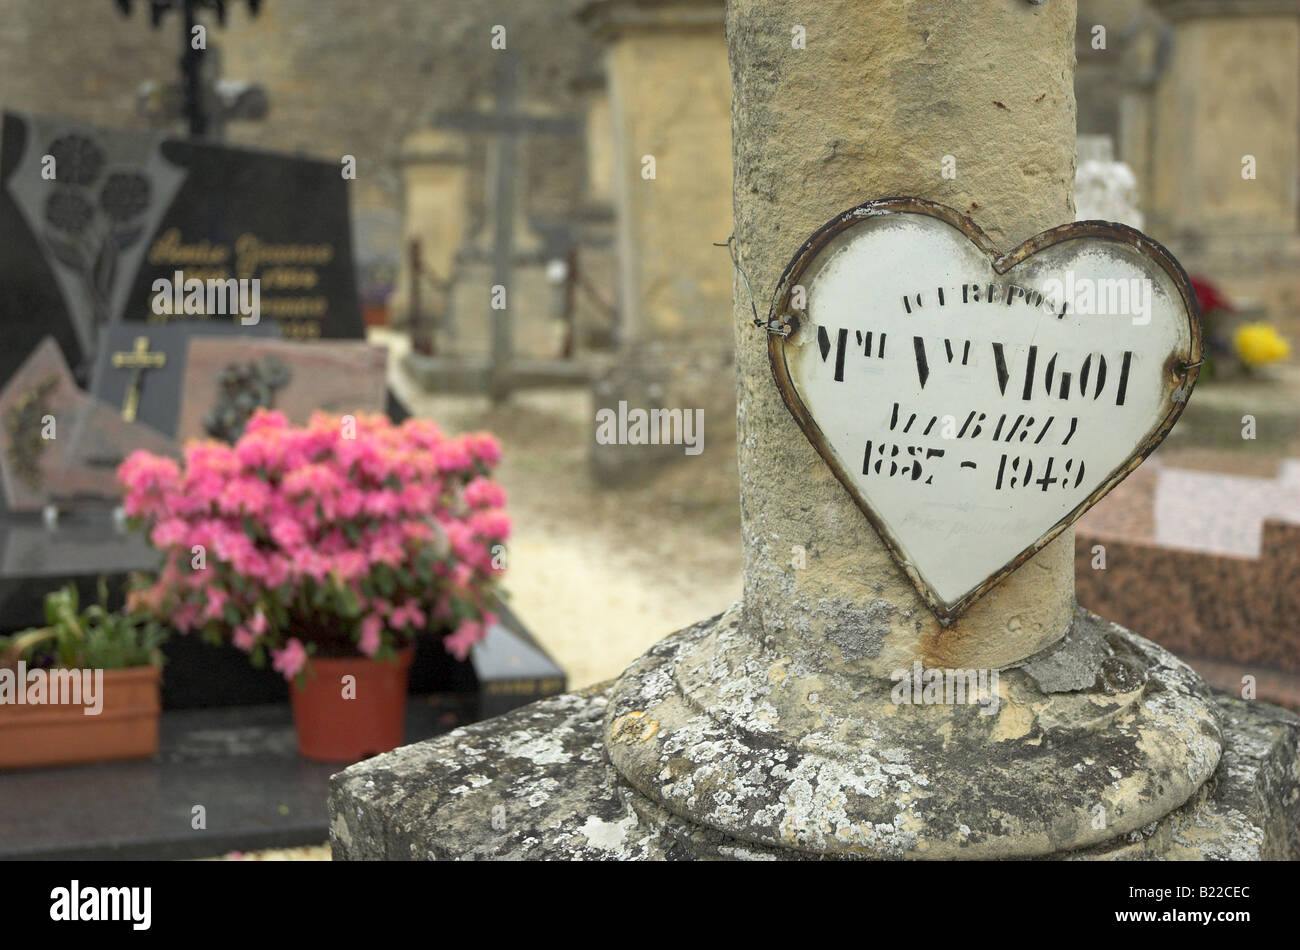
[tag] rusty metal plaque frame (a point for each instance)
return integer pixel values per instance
(1181, 369)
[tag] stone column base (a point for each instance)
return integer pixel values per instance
(537, 784)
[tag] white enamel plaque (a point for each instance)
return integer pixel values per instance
(975, 404)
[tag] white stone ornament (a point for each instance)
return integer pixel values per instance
(975, 404)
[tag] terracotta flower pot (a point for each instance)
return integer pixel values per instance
(125, 728)
(346, 721)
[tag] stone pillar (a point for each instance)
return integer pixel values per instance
(435, 182)
(776, 724)
(810, 144)
(670, 99)
(670, 112)
(1231, 88)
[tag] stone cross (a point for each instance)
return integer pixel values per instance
(506, 124)
(139, 359)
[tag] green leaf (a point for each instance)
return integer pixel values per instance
(349, 604)
(423, 571)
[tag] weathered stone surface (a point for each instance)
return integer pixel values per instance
(881, 94)
(537, 783)
(1104, 733)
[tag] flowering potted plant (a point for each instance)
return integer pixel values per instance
(327, 548)
(1234, 346)
(83, 688)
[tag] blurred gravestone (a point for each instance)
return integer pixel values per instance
(157, 389)
(92, 218)
(226, 378)
(58, 445)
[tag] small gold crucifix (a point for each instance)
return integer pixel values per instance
(138, 359)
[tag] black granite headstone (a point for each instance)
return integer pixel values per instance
(92, 219)
(242, 214)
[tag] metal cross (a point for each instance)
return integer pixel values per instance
(138, 359)
(191, 59)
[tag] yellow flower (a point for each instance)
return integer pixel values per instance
(1258, 344)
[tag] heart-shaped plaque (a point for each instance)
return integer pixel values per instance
(975, 404)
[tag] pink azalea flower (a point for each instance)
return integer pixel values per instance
(277, 571)
(493, 524)
(452, 456)
(168, 532)
(371, 628)
(264, 449)
(350, 502)
(184, 617)
(387, 551)
(484, 493)
(351, 566)
(407, 613)
(417, 530)
(217, 599)
(289, 509)
(287, 531)
(383, 504)
(416, 499)
(484, 447)
(466, 635)
(289, 661)
(266, 419)
(461, 575)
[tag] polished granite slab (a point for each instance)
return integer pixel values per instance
(240, 763)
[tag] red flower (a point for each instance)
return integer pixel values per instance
(1209, 296)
